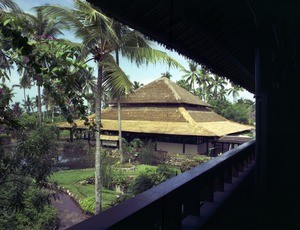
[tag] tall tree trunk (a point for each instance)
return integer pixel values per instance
(98, 186)
(120, 130)
(119, 116)
(39, 104)
(52, 117)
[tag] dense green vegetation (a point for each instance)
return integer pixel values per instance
(60, 71)
(76, 181)
(24, 171)
(80, 184)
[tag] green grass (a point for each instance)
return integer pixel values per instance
(140, 169)
(69, 179)
(85, 194)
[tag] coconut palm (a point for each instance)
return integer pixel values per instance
(167, 74)
(49, 103)
(102, 39)
(191, 76)
(97, 34)
(25, 83)
(136, 85)
(182, 83)
(28, 104)
(203, 81)
(217, 85)
(234, 90)
(39, 27)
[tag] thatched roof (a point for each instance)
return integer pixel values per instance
(162, 91)
(235, 139)
(162, 107)
(109, 137)
(171, 121)
(147, 113)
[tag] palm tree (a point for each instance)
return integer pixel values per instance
(167, 75)
(41, 27)
(203, 81)
(97, 34)
(136, 85)
(217, 84)
(90, 81)
(101, 39)
(222, 93)
(191, 76)
(28, 104)
(234, 90)
(25, 83)
(49, 103)
(89, 88)
(182, 83)
(9, 5)
(105, 98)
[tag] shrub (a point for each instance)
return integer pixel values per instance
(31, 216)
(166, 172)
(146, 154)
(88, 204)
(144, 182)
(64, 134)
(107, 169)
(186, 161)
(150, 178)
(31, 121)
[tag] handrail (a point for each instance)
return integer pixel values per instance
(165, 205)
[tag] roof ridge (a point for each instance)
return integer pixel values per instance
(191, 121)
(186, 115)
(175, 93)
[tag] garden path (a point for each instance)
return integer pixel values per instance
(69, 212)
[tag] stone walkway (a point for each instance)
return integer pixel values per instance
(69, 212)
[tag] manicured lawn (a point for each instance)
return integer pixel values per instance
(84, 194)
(70, 179)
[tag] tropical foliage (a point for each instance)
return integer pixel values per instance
(59, 68)
(24, 171)
(216, 91)
(103, 38)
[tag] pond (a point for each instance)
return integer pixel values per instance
(74, 155)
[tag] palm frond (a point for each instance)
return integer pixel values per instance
(9, 5)
(88, 23)
(66, 15)
(134, 38)
(114, 79)
(141, 55)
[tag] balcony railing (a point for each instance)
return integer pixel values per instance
(186, 201)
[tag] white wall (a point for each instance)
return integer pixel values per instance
(170, 147)
(178, 148)
(191, 149)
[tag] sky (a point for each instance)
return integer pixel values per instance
(143, 74)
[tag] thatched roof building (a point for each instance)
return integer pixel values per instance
(164, 108)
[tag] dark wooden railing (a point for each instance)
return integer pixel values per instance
(183, 202)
